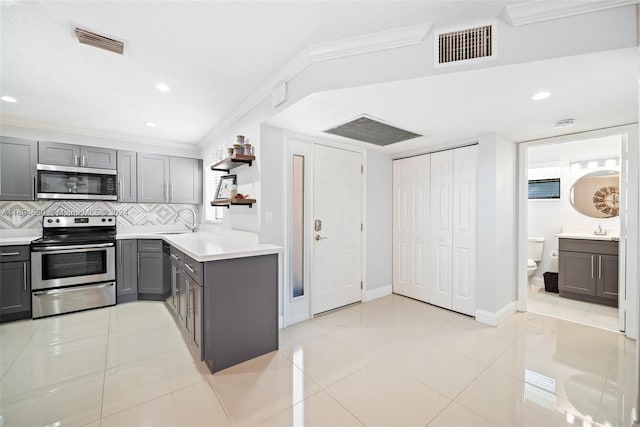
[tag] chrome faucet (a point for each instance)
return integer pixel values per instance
(194, 226)
(600, 231)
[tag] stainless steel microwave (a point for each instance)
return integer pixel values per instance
(75, 183)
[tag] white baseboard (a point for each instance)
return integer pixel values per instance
(494, 319)
(378, 293)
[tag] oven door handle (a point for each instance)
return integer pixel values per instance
(70, 248)
(72, 289)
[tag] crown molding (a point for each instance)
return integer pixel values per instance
(76, 131)
(351, 46)
(546, 10)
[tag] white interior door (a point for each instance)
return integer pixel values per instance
(464, 230)
(411, 226)
(337, 207)
(441, 268)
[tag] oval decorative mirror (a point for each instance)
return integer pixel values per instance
(597, 194)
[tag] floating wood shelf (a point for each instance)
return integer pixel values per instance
(233, 162)
(236, 202)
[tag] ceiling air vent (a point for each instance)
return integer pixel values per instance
(96, 40)
(468, 44)
(367, 129)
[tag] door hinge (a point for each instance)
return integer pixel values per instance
(361, 168)
(361, 285)
(361, 227)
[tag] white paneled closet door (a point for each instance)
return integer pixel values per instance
(464, 229)
(411, 188)
(441, 247)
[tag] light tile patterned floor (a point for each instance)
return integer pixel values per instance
(391, 361)
(551, 304)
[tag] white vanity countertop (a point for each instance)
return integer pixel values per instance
(586, 233)
(206, 246)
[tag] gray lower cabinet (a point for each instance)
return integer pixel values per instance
(18, 158)
(153, 178)
(127, 175)
(150, 270)
(57, 153)
(15, 283)
(588, 270)
(185, 180)
(127, 270)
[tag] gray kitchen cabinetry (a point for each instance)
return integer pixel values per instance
(177, 259)
(15, 283)
(588, 270)
(57, 153)
(127, 270)
(167, 179)
(127, 176)
(150, 273)
(185, 180)
(18, 158)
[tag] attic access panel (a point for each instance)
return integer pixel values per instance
(372, 131)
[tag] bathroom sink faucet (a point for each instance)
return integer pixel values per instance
(600, 231)
(194, 226)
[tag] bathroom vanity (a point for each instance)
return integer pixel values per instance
(588, 270)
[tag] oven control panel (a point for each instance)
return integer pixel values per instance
(78, 221)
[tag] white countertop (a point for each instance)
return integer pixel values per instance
(588, 236)
(206, 246)
(18, 236)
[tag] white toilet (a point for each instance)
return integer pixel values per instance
(534, 252)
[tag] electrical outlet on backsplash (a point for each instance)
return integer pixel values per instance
(26, 215)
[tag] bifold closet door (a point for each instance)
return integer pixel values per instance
(411, 178)
(464, 230)
(441, 247)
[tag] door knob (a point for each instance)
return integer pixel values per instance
(319, 238)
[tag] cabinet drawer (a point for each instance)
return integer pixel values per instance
(603, 247)
(193, 269)
(176, 256)
(150, 245)
(14, 253)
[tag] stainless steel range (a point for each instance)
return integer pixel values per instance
(73, 265)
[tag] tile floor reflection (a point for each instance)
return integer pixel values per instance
(391, 361)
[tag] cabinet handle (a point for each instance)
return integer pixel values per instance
(138, 261)
(188, 294)
(599, 266)
(174, 256)
(121, 188)
(76, 160)
(171, 187)
(193, 302)
(24, 276)
(34, 187)
(166, 191)
(10, 254)
(592, 266)
(189, 268)
(84, 161)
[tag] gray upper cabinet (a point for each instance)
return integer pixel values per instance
(166, 179)
(127, 175)
(56, 153)
(96, 157)
(153, 178)
(186, 180)
(18, 159)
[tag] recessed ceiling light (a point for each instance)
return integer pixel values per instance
(163, 87)
(540, 95)
(9, 99)
(150, 124)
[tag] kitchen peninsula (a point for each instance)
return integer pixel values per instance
(223, 291)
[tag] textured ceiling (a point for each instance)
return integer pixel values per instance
(213, 54)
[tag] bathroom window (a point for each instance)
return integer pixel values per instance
(544, 188)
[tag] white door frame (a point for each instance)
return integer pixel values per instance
(629, 225)
(303, 144)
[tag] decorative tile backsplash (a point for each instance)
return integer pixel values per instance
(29, 214)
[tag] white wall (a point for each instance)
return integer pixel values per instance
(272, 201)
